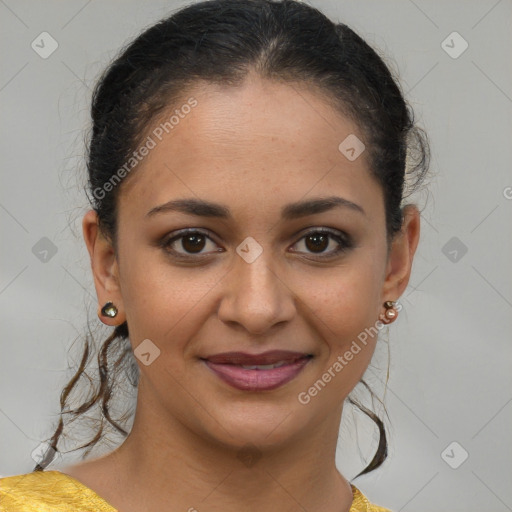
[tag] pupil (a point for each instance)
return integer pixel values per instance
(193, 243)
(319, 242)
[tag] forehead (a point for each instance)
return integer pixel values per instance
(264, 140)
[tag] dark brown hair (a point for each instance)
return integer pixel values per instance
(221, 41)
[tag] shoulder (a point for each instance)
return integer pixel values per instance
(361, 503)
(47, 491)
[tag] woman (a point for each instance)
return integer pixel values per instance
(249, 239)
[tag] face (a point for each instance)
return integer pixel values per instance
(261, 267)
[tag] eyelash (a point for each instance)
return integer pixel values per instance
(342, 238)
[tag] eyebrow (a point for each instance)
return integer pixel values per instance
(201, 208)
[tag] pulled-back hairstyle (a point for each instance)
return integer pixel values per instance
(221, 41)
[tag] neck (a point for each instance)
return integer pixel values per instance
(168, 467)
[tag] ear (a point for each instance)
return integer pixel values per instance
(104, 268)
(401, 255)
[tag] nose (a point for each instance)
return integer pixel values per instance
(256, 295)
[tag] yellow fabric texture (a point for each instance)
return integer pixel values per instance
(53, 491)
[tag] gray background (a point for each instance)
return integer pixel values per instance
(450, 348)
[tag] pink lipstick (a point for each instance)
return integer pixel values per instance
(257, 372)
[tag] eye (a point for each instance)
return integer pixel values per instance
(319, 241)
(188, 243)
(191, 243)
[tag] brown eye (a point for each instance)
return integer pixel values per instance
(193, 243)
(325, 243)
(317, 242)
(189, 243)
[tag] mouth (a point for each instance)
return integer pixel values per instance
(257, 372)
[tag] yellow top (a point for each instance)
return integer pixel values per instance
(53, 491)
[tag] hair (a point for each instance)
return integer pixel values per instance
(221, 41)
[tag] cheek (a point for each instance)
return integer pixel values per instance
(344, 308)
(164, 302)
(345, 299)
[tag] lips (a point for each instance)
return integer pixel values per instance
(266, 358)
(257, 372)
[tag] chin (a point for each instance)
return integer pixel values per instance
(264, 425)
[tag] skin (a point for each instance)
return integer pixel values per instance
(254, 149)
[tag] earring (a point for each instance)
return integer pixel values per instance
(109, 310)
(391, 313)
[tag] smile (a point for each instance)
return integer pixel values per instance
(243, 372)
